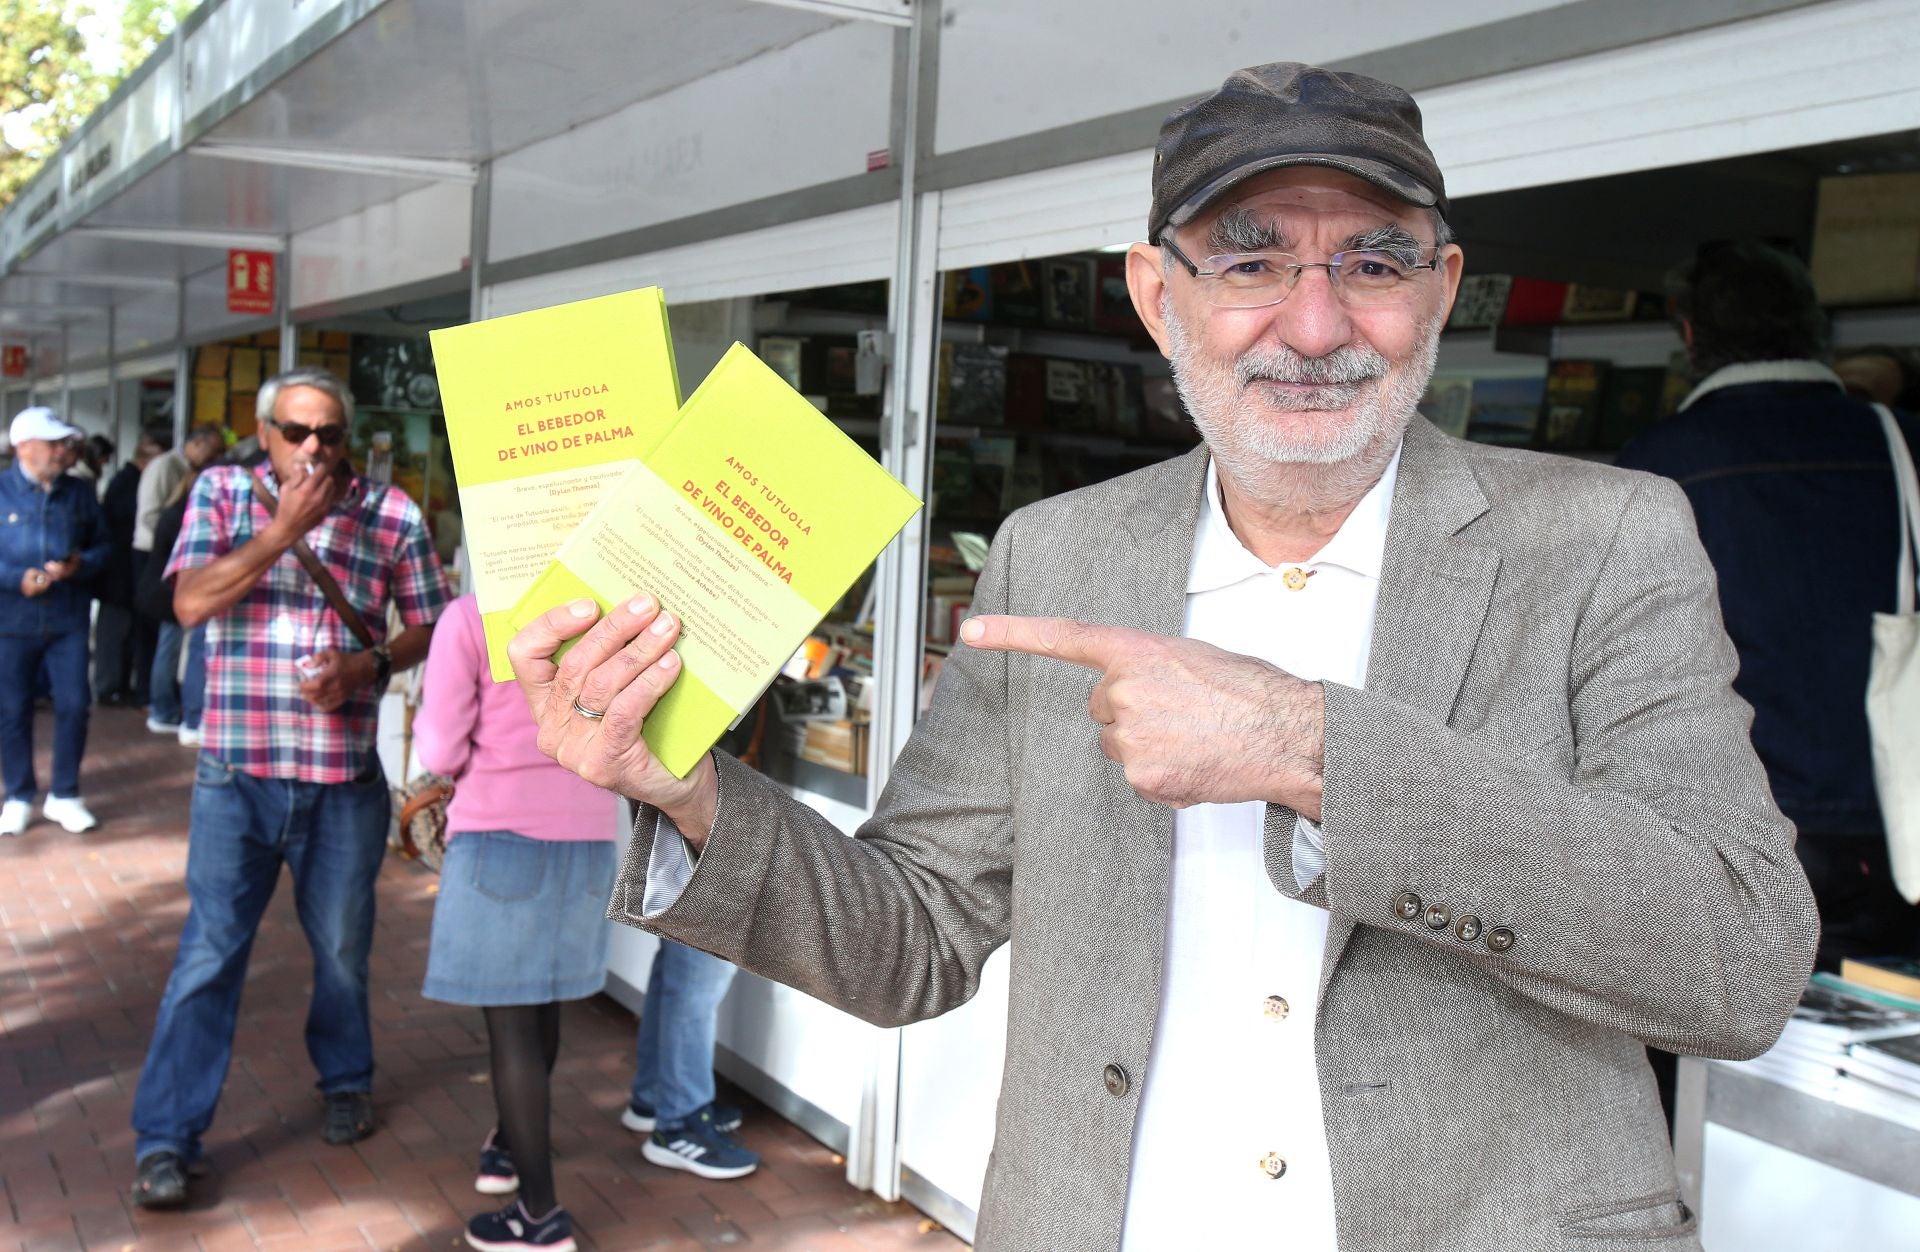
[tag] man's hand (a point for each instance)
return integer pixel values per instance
(60, 571)
(34, 583)
(340, 675)
(620, 668)
(1188, 722)
(304, 502)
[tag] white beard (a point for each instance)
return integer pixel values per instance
(1310, 453)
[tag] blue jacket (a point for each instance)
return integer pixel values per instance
(1793, 491)
(38, 526)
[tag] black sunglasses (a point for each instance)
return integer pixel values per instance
(332, 435)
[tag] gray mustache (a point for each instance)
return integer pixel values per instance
(1342, 367)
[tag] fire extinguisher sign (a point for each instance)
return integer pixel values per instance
(250, 280)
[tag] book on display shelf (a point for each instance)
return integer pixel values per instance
(1480, 302)
(1571, 408)
(1892, 975)
(1892, 1062)
(1068, 293)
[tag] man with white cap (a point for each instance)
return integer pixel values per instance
(52, 539)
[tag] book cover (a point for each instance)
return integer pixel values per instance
(1895, 975)
(1572, 405)
(1506, 410)
(1631, 401)
(1481, 301)
(545, 410)
(748, 522)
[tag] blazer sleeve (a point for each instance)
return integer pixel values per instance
(893, 925)
(1652, 887)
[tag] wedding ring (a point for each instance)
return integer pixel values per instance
(586, 712)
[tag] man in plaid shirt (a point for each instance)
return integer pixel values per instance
(287, 770)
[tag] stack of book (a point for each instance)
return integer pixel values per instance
(1853, 1044)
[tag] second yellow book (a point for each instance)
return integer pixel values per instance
(748, 522)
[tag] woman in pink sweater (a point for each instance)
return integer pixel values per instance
(520, 921)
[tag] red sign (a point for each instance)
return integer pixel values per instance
(13, 360)
(879, 159)
(250, 282)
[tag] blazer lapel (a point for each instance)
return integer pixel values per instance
(1435, 589)
(1155, 599)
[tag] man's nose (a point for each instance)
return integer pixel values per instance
(1312, 320)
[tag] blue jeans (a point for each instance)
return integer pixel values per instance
(673, 1068)
(63, 658)
(332, 836)
(174, 700)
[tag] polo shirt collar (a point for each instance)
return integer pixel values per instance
(1359, 546)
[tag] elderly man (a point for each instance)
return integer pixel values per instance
(1353, 828)
(52, 539)
(289, 563)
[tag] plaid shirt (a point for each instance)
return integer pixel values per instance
(375, 544)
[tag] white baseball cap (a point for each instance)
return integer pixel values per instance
(39, 422)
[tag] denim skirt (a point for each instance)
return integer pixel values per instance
(519, 921)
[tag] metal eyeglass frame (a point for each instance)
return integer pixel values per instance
(1331, 265)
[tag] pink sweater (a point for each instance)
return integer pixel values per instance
(480, 734)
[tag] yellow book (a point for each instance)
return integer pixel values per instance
(748, 522)
(544, 411)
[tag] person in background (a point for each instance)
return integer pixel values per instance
(519, 925)
(1792, 487)
(672, 1098)
(288, 773)
(52, 540)
(120, 670)
(166, 480)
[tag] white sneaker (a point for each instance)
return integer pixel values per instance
(159, 727)
(71, 813)
(190, 736)
(15, 816)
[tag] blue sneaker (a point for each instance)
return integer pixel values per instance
(699, 1147)
(511, 1230)
(496, 1175)
(638, 1117)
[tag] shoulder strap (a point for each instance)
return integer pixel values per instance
(318, 572)
(1907, 487)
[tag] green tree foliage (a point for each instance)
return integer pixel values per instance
(52, 75)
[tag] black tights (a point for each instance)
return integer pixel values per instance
(525, 1039)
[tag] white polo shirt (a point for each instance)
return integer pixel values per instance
(1230, 1146)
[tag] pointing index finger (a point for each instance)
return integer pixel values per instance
(1062, 638)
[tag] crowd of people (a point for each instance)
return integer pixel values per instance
(1383, 785)
(257, 602)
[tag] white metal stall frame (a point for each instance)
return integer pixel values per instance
(394, 149)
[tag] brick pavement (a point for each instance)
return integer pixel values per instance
(87, 932)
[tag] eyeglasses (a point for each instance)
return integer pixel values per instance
(1360, 276)
(332, 435)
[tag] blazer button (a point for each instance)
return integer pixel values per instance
(1407, 906)
(1468, 929)
(1118, 1084)
(1438, 916)
(1499, 940)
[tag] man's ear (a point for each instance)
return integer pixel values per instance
(1453, 263)
(1686, 332)
(1147, 284)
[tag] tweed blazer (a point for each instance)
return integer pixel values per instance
(1547, 743)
